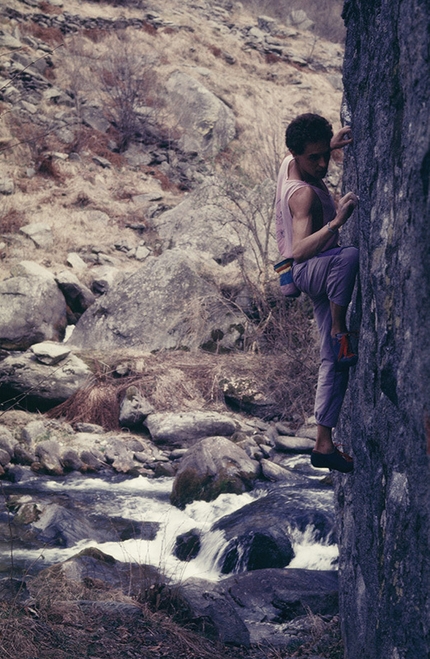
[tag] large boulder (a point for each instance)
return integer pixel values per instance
(257, 606)
(186, 428)
(77, 295)
(259, 535)
(224, 219)
(39, 385)
(208, 124)
(385, 506)
(212, 467)
(32, 309)
(171, 302)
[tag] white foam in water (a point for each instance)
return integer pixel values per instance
(145, 500)
(312, 555)
(199, 515)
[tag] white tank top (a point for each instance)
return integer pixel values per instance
(286, 187)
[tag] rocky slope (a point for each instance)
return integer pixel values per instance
(140, 146)
(100, 202)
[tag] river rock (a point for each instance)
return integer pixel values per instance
(4, 457)
(39, 385)
(300, 19)
(211, 467)
(94, 566)
(274, 472)
(249, 608)
(134, 409)
(31, 269)
(32, 309)
(186, 428)
(258, 537)
(58, 527)
(40, 233)
(71, 461)
(259, 533)
(187, 545)
(294, 444)
(103, 278)
(10, 42)
(209, 125)
(7, 440)
(49, 352)
(48, 455)
(174, 293)
(247, 395)
(120, 456)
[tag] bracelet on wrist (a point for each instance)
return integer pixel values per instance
(333, 231)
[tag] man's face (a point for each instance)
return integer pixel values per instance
(313, 162)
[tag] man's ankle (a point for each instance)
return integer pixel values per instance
(324, 443)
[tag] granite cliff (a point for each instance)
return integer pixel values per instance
(384, 508)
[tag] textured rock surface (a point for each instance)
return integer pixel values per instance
(212, 467)
(384, 506)
(209, 124)
(249, 607)
(171, 302)
(41, 386)
(32, 310)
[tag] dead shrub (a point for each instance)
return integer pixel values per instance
(286, 371)
(272, 58)
(11, 221)
(39, 143)
(47, 8)
(47, 167)
(130, 91)
(82, 200)
(216, 52)
(89, 139)
(165, 182)
(149, 28)
(95, 34)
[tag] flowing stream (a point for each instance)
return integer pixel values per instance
(145, 500)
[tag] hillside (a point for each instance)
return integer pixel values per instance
(69, 172)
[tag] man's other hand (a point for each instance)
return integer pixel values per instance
(341, 139)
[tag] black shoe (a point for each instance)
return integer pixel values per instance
(336, 460)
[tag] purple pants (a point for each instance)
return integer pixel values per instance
(328, 277)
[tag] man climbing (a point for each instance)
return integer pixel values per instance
(307, 229)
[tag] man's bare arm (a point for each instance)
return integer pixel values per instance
(302, 205)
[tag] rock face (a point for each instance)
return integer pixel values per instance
(32, 310)
(208, 123)
(245, 608)
(30, 376)
(172, 294)
(384, 506)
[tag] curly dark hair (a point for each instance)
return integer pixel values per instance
(307, 129)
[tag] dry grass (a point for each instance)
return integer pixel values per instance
(63, 629)
(284, 369)
(76, 617)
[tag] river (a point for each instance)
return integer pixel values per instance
(147, 500)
